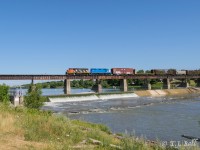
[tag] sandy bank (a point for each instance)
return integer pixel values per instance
(167, 92)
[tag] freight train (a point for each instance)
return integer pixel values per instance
(97, 71)
(128, 71)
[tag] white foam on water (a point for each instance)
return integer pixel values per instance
(74, 98)
(114, 96)
(91, 97)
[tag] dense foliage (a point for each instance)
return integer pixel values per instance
(34, 98)
(4, 97)
(90, 83)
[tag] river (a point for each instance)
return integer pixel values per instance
(151, 118)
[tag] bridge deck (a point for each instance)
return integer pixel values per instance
(63, 77)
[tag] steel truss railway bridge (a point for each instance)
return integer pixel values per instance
(98, 88)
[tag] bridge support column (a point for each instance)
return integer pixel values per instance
(123, 85)
(148, 85)
(97, 87)
(32, 82)
(187, 83)
(99, 90)
(166, 83)
(67, 86)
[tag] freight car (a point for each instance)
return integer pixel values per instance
(181, 72)
(163, 71)
(123, 71)
(78, 71)
(193, 72)
(102, 71)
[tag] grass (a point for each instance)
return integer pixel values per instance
(22, 128)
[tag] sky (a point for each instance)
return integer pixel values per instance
(49, 36)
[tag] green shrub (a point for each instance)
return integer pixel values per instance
(34, 98)
(4, 97)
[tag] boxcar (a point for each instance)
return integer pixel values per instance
(122, 71)
(100, 71)
(78, 71)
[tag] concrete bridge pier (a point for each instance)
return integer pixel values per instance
(67, 86)
(123, 85)
(32, 81)
(166, 83)
(148, 84)
(97, 87)
(187, 83)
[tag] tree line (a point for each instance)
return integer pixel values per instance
(90, 83)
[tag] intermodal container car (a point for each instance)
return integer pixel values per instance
(100, 71)
(76, 71)
(122, 71)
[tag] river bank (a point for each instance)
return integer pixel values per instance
(22, 128)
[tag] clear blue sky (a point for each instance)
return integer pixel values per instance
(49, 36)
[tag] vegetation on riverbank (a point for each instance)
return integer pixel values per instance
(135, 84)
(4, 97)
(34, 98)
(22, 128)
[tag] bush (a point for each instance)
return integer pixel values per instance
(4, 97)
(34, 98)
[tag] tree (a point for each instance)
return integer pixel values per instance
(114, 82)
(4, 97)
(104, 84)
(148, 71)
(140, 71)
(81, 83)
(33, 98)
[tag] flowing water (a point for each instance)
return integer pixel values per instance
(152, 118)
